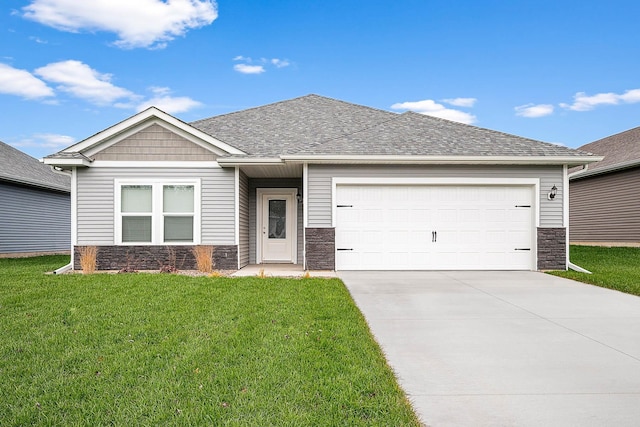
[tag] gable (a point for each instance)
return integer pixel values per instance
(154, 143)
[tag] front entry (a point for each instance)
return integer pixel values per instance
(276, 225)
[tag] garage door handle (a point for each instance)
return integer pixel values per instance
(522, 249)
(344, 206)
(523, 206)
(344, 249)
(434, 236)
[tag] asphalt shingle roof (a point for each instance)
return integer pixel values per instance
(315, 125)
(20, 168)
(621, 148)
(286, 127)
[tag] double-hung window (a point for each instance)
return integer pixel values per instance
(157, 212)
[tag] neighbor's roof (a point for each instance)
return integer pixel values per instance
(314, 125)
(20, 168)
(620, 151)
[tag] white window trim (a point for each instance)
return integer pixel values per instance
(157, 214)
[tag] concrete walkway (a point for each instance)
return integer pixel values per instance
(280, 270)
(506, 348)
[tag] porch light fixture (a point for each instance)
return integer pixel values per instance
(552, 194)
(299, 197)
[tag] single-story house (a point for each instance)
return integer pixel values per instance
(604, 197)
(35, 213)
(322, 183)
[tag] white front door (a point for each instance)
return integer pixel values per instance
(277, 211)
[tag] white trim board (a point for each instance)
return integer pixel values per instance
(143, 119)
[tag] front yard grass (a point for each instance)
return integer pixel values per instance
(164, 349)
(615, 268)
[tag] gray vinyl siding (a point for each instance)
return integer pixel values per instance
(605, 208)
(34, 220)
(319, 183)
(243, 249)
(273, 183)
(96, 210)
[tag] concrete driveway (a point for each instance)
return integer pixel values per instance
(506, 348)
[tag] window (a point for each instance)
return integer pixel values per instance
(157, 212)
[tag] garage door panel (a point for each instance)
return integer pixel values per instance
(391, 227)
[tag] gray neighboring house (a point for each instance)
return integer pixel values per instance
(322, 183)
(605, 197)
(35, 213)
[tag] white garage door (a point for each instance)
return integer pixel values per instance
(429, 227)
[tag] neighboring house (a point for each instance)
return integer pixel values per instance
(605, 197)
(322, 183)
(35, 212)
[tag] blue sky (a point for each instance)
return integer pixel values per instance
(559, 71)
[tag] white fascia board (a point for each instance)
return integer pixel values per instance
(150, 113)
(450, 160)
(255, 161)
(67, 162)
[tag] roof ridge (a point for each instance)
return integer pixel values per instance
(231, 113)
(309, 95)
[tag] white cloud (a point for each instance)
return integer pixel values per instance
(461, 102)
(46, 140)
(584, 102)
(163, 100)
(432, 108)
(22, 83)
(280, 63)
(249, 69)
(139, 23)
(248, 66)
(533, 111)
(82, 81)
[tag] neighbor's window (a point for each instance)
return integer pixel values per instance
(158, 213)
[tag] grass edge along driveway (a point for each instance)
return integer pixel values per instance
(164, 349)
(612, 267)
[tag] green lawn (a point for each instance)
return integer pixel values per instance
(614, 268)
(163, 349)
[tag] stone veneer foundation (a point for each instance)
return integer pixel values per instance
(552, 248)
(225, 257)
(320, 248)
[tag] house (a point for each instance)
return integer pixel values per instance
(35, 213)
(322, 183)
(604, 198)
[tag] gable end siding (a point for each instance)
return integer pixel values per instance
(33, 220)
(96, 209)
(155, 143)
(320, 178)
(605, 208)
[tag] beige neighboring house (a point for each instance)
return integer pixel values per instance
(605, 197)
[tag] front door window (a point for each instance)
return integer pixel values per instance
(277, 219)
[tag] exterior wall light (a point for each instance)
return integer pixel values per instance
(552, 194)
(299, 197)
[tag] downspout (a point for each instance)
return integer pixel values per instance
(72, 193)
(571, 265)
